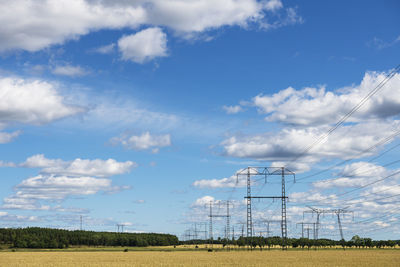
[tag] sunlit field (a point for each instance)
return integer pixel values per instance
(383, 257)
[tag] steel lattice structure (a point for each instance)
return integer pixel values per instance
(266, 171)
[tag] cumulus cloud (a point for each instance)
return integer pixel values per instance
(317, 106)
(297, 167)
(239, 179)
(59, 179)
(216, 183)
(32, 25)
(354, 175)
(143, 142)
(232, 109)
(31, 192)
(79, 167)
(32, 101)
(347, 142)
(306, 197)
(59, 187)
(143, 46)
(309, 113)
(68, 70)
(205, 200)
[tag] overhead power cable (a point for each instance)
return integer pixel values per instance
(380, 143)
(350, 113)
(353, 190)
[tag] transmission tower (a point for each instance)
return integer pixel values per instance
(188, 235)
(120, 226)
(197, 229)
(268, 222)
(227, 216)
(307, 228)
(81, 223)
(336, 212)
(266, 171)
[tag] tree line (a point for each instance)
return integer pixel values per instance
(35, 237)
(304, 243)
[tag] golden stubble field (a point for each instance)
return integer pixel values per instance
(202, 258)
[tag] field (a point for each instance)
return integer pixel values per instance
(374, 257)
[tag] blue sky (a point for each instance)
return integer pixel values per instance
(141, 112)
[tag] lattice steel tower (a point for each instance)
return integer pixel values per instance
(266, 171)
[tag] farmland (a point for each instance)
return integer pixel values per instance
(375, 257)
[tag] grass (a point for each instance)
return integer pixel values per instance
(383, 257)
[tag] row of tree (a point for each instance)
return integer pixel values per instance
(268, 242)
(35, 237)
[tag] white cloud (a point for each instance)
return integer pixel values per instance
(21, 202)
(143, 142)
(289, 17)
(216, 183)
(106, 49)
(143, 46)
(273, 5)
(381, 44)
(79, 167)
(59, 187)
(305, 197)
(381, 224)
(347, 142)
(197, 16)
(68, 70)
(296, 167)
(60, 179)
(317, 106)
(32, 101)
(7, 164)
(201, 202)
(32, 192)
(239, 179)
(232, 109)
(230, 182)
(122, 113)
(31, 25)
(5, 216)
(6, 137)
(353, 175)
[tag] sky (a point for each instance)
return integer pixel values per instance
(142, 112)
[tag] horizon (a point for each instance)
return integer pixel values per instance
(142, 113)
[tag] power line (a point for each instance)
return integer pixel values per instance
(350, 113)
(355, 189)
(382, 142)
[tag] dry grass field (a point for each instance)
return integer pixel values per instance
(371, 258)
